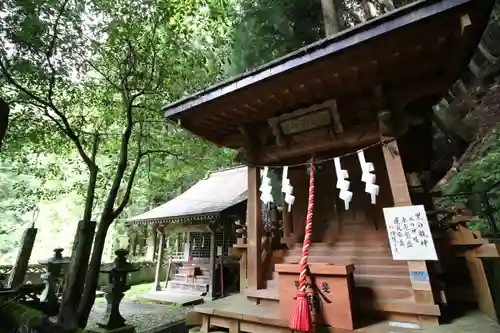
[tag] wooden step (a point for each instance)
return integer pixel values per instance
(381, 269)
(360, 243)
(400, 306)
(382, 293)
(188, 287)
(361, 249)
(199, 270)
(267, 295)
(201, 279)
(382, 280)
(371, 260)
(362, 233)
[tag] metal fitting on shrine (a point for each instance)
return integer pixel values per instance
(117, 278)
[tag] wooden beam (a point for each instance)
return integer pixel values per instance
(491, 250)
(254, 233)
(357, 136)
(405, 93)
(401, 197)
(251, 139)
(213, 254)
(480, 283)
(172, 227)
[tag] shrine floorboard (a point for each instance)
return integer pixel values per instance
(238, 314)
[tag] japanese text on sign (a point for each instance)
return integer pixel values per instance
(315, 295)
(409, 233)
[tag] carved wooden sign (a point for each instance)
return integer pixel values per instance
(307, 124)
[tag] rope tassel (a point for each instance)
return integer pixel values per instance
(301, 317)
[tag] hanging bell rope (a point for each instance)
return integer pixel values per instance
(301, 317)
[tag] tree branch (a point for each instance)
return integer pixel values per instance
(133, 172)
(51, 50)
(107, 78)
(123, 159)
(93, 170)
(63, 124)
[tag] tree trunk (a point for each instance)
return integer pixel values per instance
(330, 17)
(4, 119)
(91, 281)
(75, 278)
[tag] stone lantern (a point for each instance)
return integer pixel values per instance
(55, 273)
(117, 278)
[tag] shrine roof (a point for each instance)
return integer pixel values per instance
(414, 52)
(204, 200)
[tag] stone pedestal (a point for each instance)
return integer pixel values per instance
(329, 292)
(117, 274)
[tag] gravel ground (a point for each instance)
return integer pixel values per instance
(146, 318)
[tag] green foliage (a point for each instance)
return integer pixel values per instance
(478, 185)
(265, 30)
(86, 81)
(481, 174)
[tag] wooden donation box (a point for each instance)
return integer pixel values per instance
(328, 291)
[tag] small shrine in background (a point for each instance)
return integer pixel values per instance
(196, 231)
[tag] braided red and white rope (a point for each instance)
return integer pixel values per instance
(308, 234)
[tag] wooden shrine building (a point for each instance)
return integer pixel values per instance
(371, 87)
(197, 229)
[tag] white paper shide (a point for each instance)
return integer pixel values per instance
(342, 183)
(409, 233)
(287, 189)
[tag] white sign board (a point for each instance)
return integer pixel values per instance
(409, 233)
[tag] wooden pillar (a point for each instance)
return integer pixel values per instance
(243, 271)
(330, 17)
(254, 231)
(167, 241)
(23, 257)
(213, 253)
(177, 242)
(159, 260)
(151, 243)
(401, 196)
(187, 246)
(480, 284)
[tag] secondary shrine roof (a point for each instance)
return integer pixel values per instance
(415, 52)
(205, 200)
